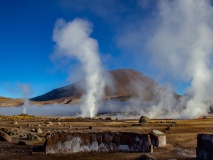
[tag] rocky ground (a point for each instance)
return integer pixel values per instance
(27, 133)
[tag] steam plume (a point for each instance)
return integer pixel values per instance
(184, 40)
(73, 40)
(26, 90)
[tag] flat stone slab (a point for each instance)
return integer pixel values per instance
(157, 132)
(97, 142)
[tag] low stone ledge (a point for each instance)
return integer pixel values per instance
(97, 142)
(204, 150)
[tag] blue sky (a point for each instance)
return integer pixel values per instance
(121, 27)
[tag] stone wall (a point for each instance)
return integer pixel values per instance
(204, 148)
(158, 138)
(97, 141)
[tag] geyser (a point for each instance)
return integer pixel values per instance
(73, 40)
(26, 90)
(184, 39)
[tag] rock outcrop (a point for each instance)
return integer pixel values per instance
(97, 141)
(4, 136)
(204, 148)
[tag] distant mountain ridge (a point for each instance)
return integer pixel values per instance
(8, 102)
(126, 82)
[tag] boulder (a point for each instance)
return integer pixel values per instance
(22, 142)
(33, 137)
(33, 130)
(144, 119)
(4, 136)
(6, 130)
(109, 118)
(14, 122)
(13, 133)
(146, 157)
(37, 148)
(38, 130)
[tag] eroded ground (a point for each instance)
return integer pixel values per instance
(181, 137)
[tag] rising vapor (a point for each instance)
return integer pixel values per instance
(73, 40)
(184, 40)
(26, 91)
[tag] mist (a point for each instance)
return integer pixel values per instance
(73, 41)
(183, 40)
(181, 48)
(44, 110)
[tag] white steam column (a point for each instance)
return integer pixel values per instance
(184, 39)
(26, 90)
(73, 40)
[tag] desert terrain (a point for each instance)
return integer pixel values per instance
(181, 137)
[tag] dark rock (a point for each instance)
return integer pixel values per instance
(6, 130)
(144, 119)
(48, 135)
(33, 137)
(38, 149)
(22, 142)
(146, 157)
(204, 148)
(108, 118)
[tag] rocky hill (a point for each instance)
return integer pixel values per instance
(125, 83)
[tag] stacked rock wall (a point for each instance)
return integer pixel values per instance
(204, 148)
(158, 138)
(97, 141)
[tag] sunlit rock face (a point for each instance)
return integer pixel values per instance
(97, 141)
(204, 148)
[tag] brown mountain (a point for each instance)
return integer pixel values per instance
(126, 83)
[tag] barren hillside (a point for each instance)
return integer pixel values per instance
(126, 83)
